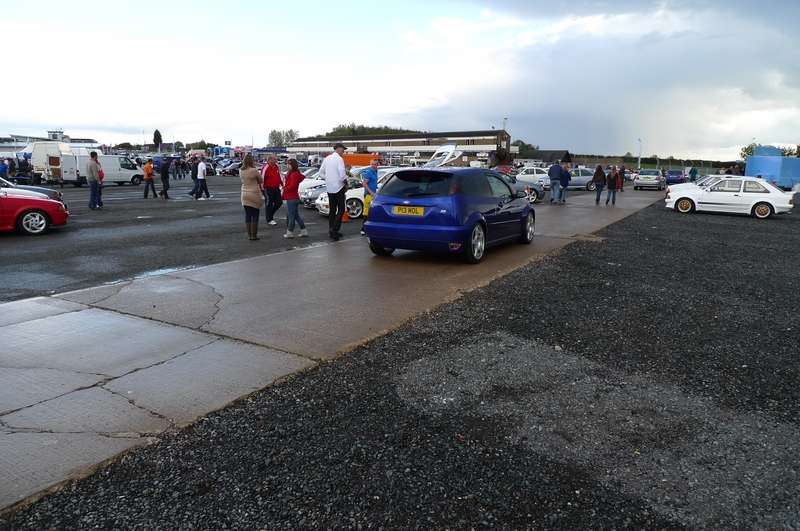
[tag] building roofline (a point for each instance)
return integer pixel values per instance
(400, 136)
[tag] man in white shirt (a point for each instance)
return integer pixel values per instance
(202, 185)
(333, 171)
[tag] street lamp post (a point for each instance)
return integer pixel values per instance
(640, 153)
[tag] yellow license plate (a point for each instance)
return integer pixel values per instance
(408, 211)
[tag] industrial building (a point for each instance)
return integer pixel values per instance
(473, 144)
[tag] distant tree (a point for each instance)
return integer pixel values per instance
(526, 151)
(179, 145)
(628, 154)
(157, 139)
(353, 129)
(126, 146)
(275, 138)
(749, 149)
(197, 145)
(282, 138)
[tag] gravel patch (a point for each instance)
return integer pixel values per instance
(647, 381)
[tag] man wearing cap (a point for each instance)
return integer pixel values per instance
(332, 170)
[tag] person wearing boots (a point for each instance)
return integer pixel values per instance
(251, 195)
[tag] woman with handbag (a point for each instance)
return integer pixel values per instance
(251, 195)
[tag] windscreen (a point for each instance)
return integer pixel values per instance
(418, 184)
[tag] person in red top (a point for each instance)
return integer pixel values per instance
(292, 197)
(272, 189)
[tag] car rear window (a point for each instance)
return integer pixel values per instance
(675, 172)
(418, 184)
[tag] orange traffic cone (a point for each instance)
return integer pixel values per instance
(345, 217)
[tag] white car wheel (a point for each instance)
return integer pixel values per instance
(33, 222)
(354, 208)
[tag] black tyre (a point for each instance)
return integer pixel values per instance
(475, 246)
(380, 250)
(528, 228)
(591, 186)
(762, 210)
(684, 205)
(33, 222)
(636, 188)
(136, 180)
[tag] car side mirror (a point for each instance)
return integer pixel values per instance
(521, 194)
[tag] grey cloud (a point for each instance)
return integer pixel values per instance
(598, 95)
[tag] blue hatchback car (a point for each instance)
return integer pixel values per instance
(452, 210)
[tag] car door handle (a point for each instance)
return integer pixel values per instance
(735, 195)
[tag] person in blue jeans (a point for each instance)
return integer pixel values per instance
(612, 183)
(554, 173)
(599, 180)
(566, 177)
(93, 177)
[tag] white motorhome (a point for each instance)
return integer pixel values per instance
(118, 169)
(53, 162)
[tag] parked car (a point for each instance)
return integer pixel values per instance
(649, 179)
(708, 180)
(675, 177)
(230, 169)
(582, 179)
(531, 174)
(29, 214)
(317, 197)
(454, 210)
(354, 200)
(48, 192)
(534, 179)
(732, 194)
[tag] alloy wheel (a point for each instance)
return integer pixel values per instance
(34, 222)
(354, 208)
(478, 242)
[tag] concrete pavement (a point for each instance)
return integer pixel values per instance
(89, 374)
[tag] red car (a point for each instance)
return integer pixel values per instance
(29, 213)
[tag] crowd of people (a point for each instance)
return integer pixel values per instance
(611, 180)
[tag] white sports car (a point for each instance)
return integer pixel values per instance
(354, 197)
(730, 193)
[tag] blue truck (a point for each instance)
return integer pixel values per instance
(769, 163)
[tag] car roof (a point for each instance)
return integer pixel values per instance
(449, 169)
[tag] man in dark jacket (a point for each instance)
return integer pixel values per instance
(164, 179)
(194, 176)
(554, 173)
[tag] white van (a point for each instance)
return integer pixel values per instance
(53, 162)
(118, 169)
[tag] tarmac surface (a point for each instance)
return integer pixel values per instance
(90, 373)
(132, 236)
(648, 380)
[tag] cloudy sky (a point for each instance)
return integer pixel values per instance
(690, 78)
